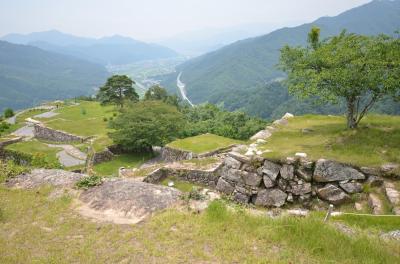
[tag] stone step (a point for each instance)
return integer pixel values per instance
(375, 203)
(393, 195)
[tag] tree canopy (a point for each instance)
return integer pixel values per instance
(158, 93)
(359, 69)
(116, 90)
(145, 124)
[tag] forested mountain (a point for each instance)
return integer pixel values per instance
(108, 50)
(29, 75)
(240, 71)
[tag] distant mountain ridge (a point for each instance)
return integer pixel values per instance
(107, 50)
(240, 67)
(29, 75)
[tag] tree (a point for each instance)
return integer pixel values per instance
(8, 113)
(158, 93)
(116, 90)
(359, 69)
(146, 124)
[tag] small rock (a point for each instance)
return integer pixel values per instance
(370, 171)
(304, 174)
(263, 134)
(239, 157)
(298, 212)
(389, 168)
(261, 141)
(271, 169)
(287, 116)
(171, 184)
(268, 182)
(300, 189)
(333, 195)
(300, 155)
(358, 206)
(287, 172)
(280, 122)
(290, 160)
(374, 181)
(351, 187)
(290, 198)
(392, 235)
(241, 197)
(249, 153)
(375, 203)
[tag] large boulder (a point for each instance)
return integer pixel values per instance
(40, 177)
(271, 169)
(333, 195)
(126, 201)
(330, 171)
(271, 197)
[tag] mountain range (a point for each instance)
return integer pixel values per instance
(29, 75)
(114, 50)
(245, 69)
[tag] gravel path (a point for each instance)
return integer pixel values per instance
(26, 132)
(70, 155)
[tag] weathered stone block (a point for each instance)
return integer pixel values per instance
(271, 169)
(351, 187)
(330, 171)
(225, 187)
(333, 195)
(287, 172)
(270, 197)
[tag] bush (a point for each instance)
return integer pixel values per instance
(39, 160)
(90, 181)
(105, 119)
(83, 111)
(4, 126)
(8, 113)
(11, 169)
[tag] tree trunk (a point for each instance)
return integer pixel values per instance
(351, 113)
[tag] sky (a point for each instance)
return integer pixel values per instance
(158, 19)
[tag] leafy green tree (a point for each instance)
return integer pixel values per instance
(158, 93)
(146, 124)
(117, 90)
(8, 113)
(358, 69)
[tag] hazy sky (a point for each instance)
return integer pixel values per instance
(155, 19)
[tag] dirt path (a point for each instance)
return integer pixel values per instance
(70, 155)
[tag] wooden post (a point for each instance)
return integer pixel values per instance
(328, 214)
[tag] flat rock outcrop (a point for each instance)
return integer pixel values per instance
(125, 201)
(40, 177)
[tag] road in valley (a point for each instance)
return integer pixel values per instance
(182, 89)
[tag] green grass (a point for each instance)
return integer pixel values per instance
(382, 223)
(36, 229)
(31, 113)
(35, 146)
(180, 185)
(202, 143)
(376, 142)
(110, 168)
(85, 119)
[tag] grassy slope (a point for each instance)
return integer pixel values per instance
(85, 119)
(33, 147)
(37, 229)
(202, 143)
(126, 160)
(376, 142)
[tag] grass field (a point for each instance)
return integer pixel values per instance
(33, 147)
(376, 142)
(202, 143)
(86, 119)
(110, 168)
(36, 229)
(30, 113)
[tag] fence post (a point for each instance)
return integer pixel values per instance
(328, 214)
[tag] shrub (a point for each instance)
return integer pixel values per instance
(4, 126)
(11, 169)
(83, 111)
(105, 119)
(39, 160)
(8, 113)
(90, 181)
(114, 114)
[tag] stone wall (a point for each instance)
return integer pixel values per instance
(102, 156)
(202, 177)
(10, 141)
(169, 154)
(273, 184)
(43, 132)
